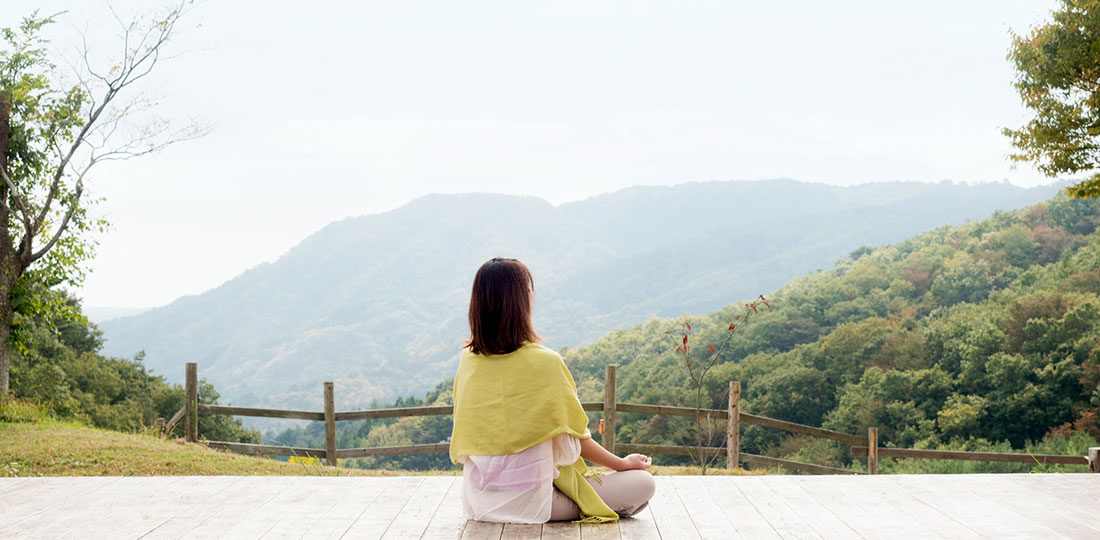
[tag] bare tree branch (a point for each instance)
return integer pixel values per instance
(20, 204)
(74, 204)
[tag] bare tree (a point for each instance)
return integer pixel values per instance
(708, 430)
(52, 135)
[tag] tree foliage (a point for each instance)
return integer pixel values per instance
(62, 370)
(1058, 77)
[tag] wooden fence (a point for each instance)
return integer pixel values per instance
(862, 447)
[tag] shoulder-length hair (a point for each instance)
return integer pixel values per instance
(500, 308)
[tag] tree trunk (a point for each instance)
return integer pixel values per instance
(9, 267)
(7, 352)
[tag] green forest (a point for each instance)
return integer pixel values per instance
(984, 336)
(61, 372)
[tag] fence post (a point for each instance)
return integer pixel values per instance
(190, 402)
(1094, 459)
(872, 451)
(330, 426)
(609, 409)
(733, 427)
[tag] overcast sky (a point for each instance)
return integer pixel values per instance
(323, 110)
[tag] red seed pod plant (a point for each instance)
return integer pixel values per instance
(697, 368)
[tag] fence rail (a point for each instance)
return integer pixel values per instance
(860, 446)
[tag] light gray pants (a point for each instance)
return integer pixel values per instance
(626, 492)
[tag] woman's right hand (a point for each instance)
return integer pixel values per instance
(636, 461)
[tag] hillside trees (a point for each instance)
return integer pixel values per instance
(62, 371)
(1058, 69)
(53, 131)
(1009, 364)
(978, 336)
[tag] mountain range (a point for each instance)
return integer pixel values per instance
(378, 303)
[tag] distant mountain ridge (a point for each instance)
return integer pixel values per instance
(378, 302)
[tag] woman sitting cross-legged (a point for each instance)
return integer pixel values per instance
(519, 429)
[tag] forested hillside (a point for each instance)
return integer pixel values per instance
(60, 373)
(979, 336)
(377, 303)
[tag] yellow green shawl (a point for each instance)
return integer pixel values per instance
(507, 403)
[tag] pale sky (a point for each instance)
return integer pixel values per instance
(323, 110)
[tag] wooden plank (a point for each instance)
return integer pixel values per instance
(171, 424)
(396, 412)
(640, 527)
(412, 521)
(733, 427)
(37, 495)
(85, 516)
(560, 530)
(301, 519)
(900, 505)
(609, 409)
(157, 508)
(670, 410)
(1049, 513)
(330, 425)
(9, 483)
(708, 517)
(334, 522)
(867, 513)
(1085, 488)
(746, 418)
(193, 512)
(448, 521)
(521, 531)
(255, 493)
(376, 518)
(913, 453)
(393, 450)
(272, 512)
(947, 494)
(753, 459)
(669, 514)
(191, 401)
(785, 520)
(261, 413)
(738, 509)
(592, 406)
(266, 449)
(797, 466)
(482, 530)
(820, 518)
(600, 531)
(669, 449)
(1075, 504)
(872, 450)
(792, 427)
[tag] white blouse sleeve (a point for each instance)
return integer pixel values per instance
(567, 450)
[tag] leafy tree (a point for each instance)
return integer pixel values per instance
(52, 134)
(1057, 65)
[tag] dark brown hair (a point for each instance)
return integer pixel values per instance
(500, 308)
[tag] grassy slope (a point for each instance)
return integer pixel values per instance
(54, 448)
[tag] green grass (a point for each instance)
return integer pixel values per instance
(56, 448)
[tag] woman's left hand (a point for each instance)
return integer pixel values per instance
(636, 461)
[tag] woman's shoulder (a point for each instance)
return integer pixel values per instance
(528, 352)
(536, 350)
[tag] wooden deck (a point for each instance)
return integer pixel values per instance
(685, 507)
